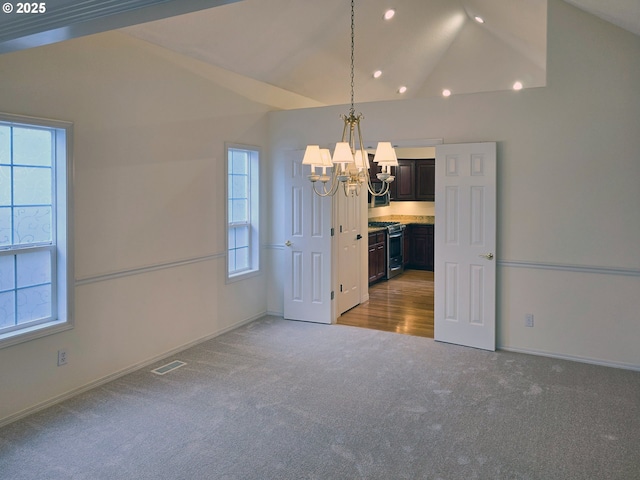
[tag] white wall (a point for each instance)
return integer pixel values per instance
(568, 187)
(149, 192)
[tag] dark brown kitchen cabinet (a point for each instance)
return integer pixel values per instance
(377, 256)
(421, 247)
(426, 180)
(415, 180)
(405, 180)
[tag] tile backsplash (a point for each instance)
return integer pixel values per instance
(418, 210)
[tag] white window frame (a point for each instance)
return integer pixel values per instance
(62, 272)
(254, 212)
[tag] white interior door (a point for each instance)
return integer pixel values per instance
(307, 284)
(349, 244)
(465, 244)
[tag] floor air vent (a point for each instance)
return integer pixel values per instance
(168, 367)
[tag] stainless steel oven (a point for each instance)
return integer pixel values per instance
(395, 250)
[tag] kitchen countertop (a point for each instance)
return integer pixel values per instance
(406, 219)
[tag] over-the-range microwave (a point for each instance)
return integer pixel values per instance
(378, 201)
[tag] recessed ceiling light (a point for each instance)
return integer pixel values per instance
(446, 92)
(402, 89)
(388, 15)
(478, 19)
(377, 74)
(517, 86)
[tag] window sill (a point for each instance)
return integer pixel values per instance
(242, 276)
(31, 333)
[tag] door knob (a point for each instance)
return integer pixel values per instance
(288, 243)
(358, 237)
(488, 256)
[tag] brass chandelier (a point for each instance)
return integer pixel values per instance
(350, 160)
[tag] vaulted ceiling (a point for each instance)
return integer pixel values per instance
(303, 46)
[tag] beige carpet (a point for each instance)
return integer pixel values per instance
(289, 400)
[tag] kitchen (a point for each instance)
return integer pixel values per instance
(401, 250)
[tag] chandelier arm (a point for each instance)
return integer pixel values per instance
(322, 194)
(336, 180)
(374, 192)
(344, 128)
(335, 184)
(332, 189)
(370, 187)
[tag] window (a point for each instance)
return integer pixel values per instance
(243, 240)
(35, 258)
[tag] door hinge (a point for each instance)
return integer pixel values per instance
(332, 231)
(340, 288)
(333, 294)
(340, 228)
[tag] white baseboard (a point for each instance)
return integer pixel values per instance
(592, 361)
(113, 376)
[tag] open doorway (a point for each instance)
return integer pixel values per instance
(403, 303)
(465, 242)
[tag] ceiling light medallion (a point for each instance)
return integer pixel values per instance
(350, 161)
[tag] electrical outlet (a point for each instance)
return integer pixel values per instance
(528, 320)
(62, 357)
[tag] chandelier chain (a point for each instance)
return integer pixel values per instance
(352, 111)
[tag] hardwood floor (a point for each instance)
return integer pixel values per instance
(403, 304)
